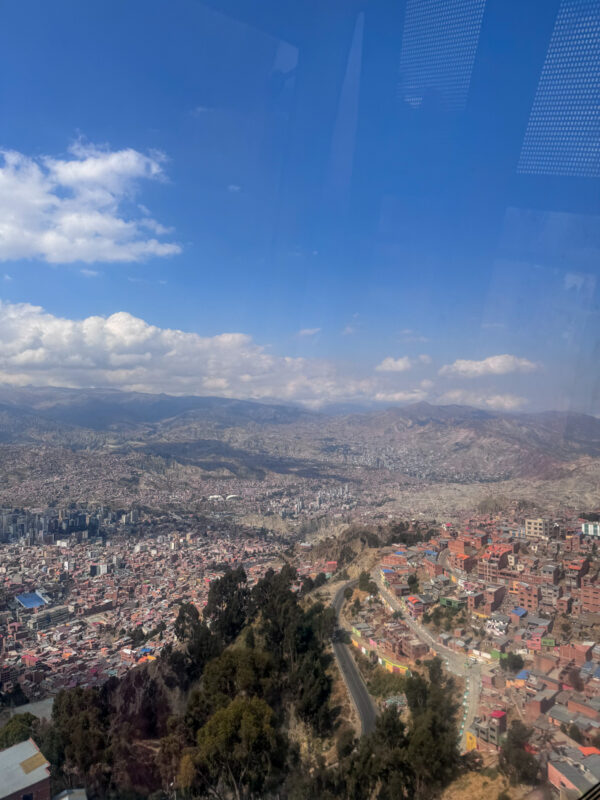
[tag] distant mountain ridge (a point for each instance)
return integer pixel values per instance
(99, 409)
(247, 438)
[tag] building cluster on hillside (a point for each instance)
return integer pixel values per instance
(81, 602)
(494, 590)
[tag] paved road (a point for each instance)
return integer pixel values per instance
(456, 663)
(354, 682)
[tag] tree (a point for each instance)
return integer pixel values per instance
(413, 583)
(18, 729)
(346, 743)
(433, 738)
(348, 592)
(187, 622)
(575, 733)
(513, 662)
(241, 748)
(363, 581)
(228, 603)
(320, 580)
(380, 767)
(200, 645)
(516, 763)
(575, 679)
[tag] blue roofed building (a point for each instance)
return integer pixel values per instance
(30, 600)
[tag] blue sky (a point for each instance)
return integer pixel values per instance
(379, 201)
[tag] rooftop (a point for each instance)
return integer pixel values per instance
(21, 766)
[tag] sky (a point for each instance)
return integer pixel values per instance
(370, 203)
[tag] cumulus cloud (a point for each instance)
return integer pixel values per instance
(401, 364)
(394, 364)
(497, 402)
(309, 331)
(494, 365)
(74, 209)
(126, 352)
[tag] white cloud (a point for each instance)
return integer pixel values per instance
(401, 364)
(7, 277)
(89, 273)
(390, 364)
(73, 209)
(348, 330)
(234, 188)
(497, 402)
(309, 331)
(494, 365)
(126, 352)
(410, 396)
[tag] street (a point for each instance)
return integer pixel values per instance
(457, 663)
(352, 677)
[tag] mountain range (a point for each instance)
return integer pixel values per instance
(429, 442)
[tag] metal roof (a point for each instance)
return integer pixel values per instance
(21, 766)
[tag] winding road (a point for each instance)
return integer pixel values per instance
(352, 677)
(457, 663)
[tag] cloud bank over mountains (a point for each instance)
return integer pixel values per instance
(123, 351)
(80, 208)
(494, 365)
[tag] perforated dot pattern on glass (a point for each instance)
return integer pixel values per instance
(563, 132)
(439, 43)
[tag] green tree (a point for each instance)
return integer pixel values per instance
(513, 662)
(575, 733)
(241, 748)
(227, 606)
(187, 622)
(18, 729)
(346, 743)
(363, 581)
(433, 738)
(413, 583)
(380, 768)
(514, 760)
(348, 592)
(320, 580)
